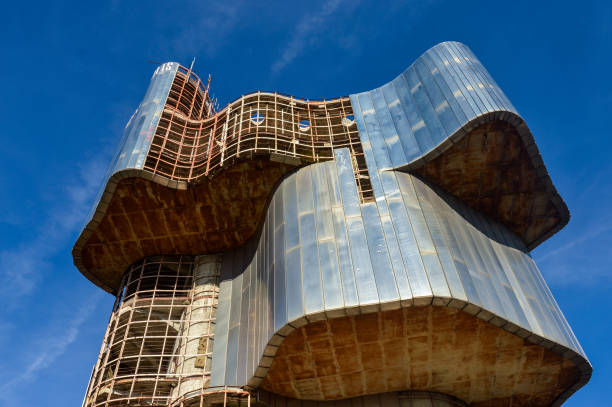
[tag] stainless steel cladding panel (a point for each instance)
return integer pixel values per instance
(433, 250)
(138, 133)
(329, 254)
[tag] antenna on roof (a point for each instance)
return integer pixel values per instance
(192, 63)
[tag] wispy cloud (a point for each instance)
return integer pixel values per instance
(37, 325)
(577, 261)
(344, 25)
(577, 258)
(21, 268)
(22, 272)
(55, 346)
(207, 26)
(307, 32)
(578, 241)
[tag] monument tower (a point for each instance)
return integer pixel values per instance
(369, 250)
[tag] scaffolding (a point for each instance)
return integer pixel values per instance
(158, 345)
(193, 141)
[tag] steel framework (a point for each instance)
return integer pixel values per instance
(192, 140)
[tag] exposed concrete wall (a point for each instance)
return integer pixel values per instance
(196, 342)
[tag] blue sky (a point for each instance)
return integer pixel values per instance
(73, 73)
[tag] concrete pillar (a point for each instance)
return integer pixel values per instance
(194, 350)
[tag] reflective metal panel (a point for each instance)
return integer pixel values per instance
(430, 247)
(414, 243)
(138, 133)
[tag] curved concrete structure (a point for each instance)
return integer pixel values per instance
(322, 255)
(372, 244)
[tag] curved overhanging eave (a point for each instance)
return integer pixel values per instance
(414, 351)
(511, 163)
(141, 214)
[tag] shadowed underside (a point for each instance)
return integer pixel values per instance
(421, 348)
(490, 170)
(145, 218)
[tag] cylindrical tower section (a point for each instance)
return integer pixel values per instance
(158, 343)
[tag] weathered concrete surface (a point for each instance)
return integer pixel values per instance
(422, 348)
(145, 218)
(490, 170)
(196, 340)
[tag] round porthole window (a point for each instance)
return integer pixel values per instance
(257, 118)
(304, 125)
(348, 120)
